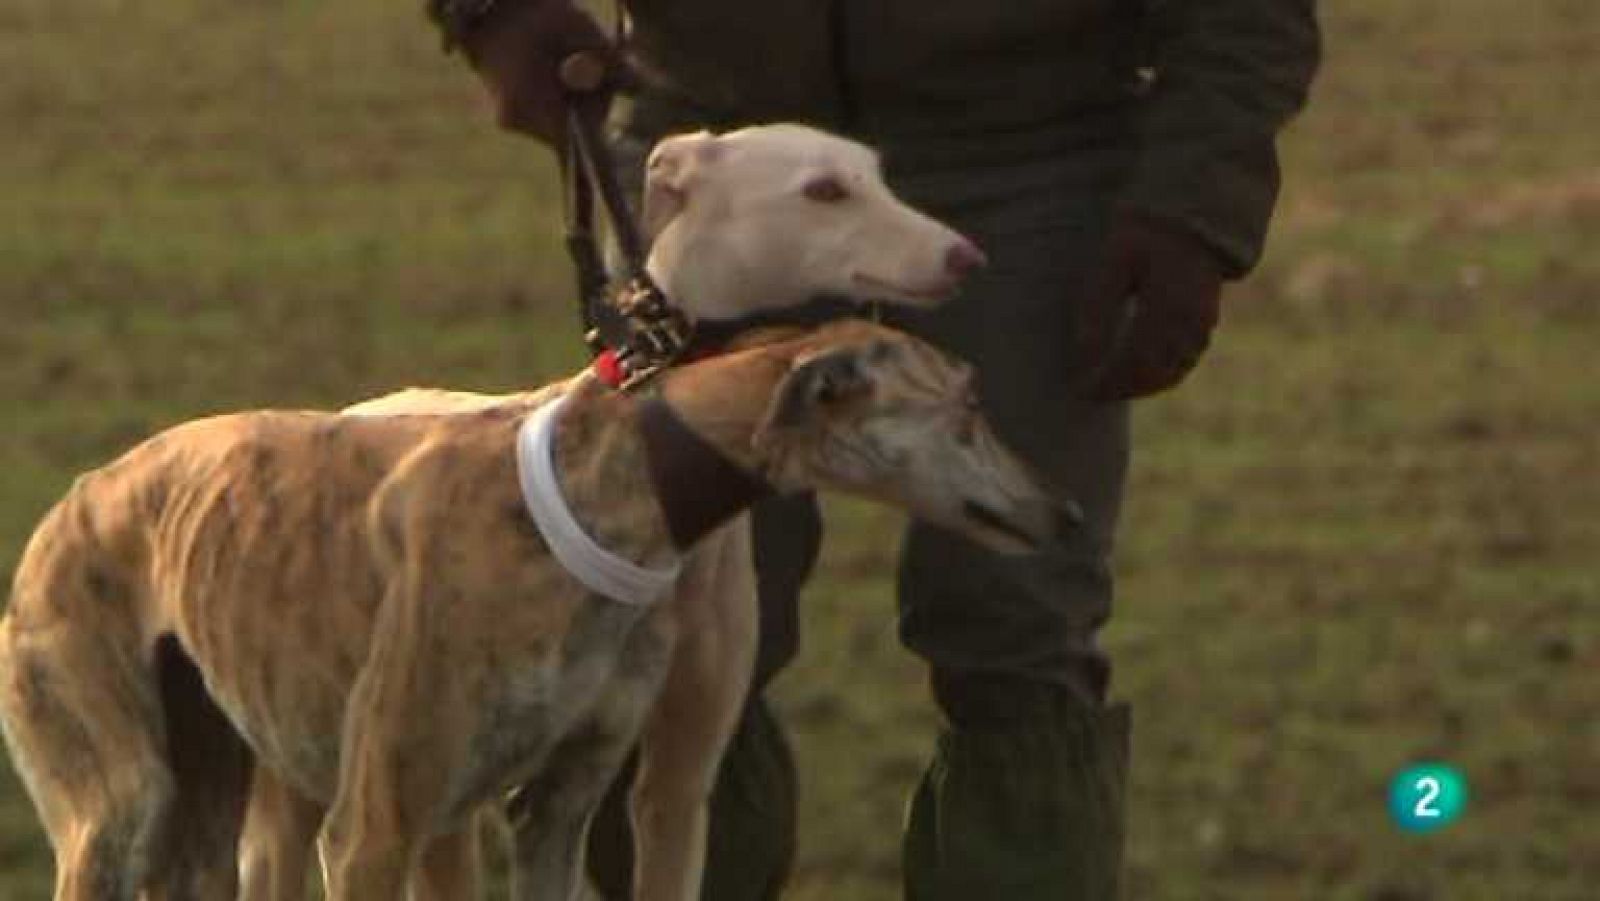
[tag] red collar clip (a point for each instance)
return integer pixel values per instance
(607, 367)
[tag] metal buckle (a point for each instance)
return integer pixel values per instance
(657, 332)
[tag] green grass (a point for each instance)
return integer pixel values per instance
(1366, 532)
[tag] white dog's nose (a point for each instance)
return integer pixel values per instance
(963, 257)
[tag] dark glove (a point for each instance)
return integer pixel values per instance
(1149, 311)
(518, 54)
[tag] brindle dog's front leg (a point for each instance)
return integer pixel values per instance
(374, 829)
(280, 830)
(549, 815)
(404, 746)
(693, 720)
(448, 870)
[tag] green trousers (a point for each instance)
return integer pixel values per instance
(1023, 797)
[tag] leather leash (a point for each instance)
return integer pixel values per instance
(633, 331)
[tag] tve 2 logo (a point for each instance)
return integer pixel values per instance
(1427, 796)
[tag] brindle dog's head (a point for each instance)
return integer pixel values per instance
(877, 413)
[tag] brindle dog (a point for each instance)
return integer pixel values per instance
(362, 605)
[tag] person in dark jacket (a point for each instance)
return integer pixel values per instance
(1117, 160)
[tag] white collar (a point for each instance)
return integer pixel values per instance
(602, 571)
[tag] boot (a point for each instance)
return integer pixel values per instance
(1023, 801)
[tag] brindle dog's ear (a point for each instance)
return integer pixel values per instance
(814, 386)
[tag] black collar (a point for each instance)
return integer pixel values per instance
(712, 336)
(698, 488)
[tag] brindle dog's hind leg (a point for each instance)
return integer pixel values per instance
(83, 719)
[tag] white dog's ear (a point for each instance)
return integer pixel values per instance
(675, 167)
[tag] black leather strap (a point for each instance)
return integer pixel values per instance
(582, 246)
(636, 322)
(712, 335)
(698, 488)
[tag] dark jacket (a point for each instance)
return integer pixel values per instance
(1198, 88)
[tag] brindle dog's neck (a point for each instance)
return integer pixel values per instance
(601, 465)
(648, 477)
(701, 430)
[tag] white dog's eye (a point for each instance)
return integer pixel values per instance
(826, 189)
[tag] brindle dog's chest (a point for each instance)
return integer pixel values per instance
(592, 693)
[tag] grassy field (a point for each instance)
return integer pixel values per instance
(1367, 532)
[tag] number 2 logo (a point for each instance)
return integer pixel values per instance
(1427, 796)
(1428, 787)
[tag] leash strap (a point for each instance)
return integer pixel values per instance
(592, 164)
(601, 571)
(634, 331)
(578, 214)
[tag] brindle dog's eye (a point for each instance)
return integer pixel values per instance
(826, 189)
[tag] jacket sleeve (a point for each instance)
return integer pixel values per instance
(1228, 75)
(454, 18)
(451, 16)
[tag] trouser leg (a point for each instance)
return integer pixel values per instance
(1029, 808)
(1023, 799)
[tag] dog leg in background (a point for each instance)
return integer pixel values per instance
(695, 716)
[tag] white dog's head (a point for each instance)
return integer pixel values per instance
(773, 216)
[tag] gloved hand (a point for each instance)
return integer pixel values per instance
(1149, 311)
(518, 54)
